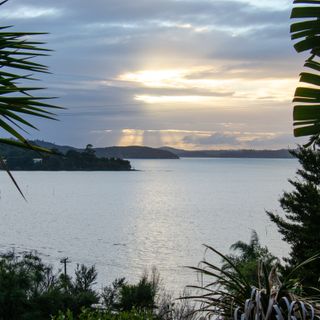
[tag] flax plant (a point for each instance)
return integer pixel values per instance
(226, 293)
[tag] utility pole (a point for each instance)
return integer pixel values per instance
(64, 261)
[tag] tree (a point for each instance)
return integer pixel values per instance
(249, 257)
(306, 114)
(301, 224)
(29, 289)
(122, 296)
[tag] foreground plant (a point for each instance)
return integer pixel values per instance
(122, 296)
(306, 31)
(262, 305)
(17, 98)
(29, 289)
(226, 293)
(300, 223)
(89, 314)
(248, 258)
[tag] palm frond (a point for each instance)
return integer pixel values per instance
(306, 33)
(17, 99)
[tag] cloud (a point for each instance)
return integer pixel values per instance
(283, 140)
(237, 55)
(196, 10)
(240, 140)
(212, 139)
(194, 139)
(30, 12)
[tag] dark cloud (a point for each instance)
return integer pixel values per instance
(99, 39)
(238, 140)
(212, 140)
(279, 140)
(225, 13)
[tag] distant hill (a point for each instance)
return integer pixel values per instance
(131, 152)
(281, 153)
(49, 145)
(135, 152)
(140, 152)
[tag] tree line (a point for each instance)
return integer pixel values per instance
(18, 159)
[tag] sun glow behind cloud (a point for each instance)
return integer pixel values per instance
(162, 78)
(152, 99)
(204, 85)
(199, 139)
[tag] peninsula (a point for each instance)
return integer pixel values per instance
(71, 160)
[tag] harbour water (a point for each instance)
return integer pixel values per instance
(127, 222)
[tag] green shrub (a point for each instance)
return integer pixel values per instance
(139, 296)
(105, 315)
(111, 294)
(122, 296)
(227, 293)
(30, 290)
(248, 257)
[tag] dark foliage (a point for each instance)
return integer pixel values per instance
(18, 159)
(111, 294)
(122, 296)
(305, 31)
(17, 98)
(87, 314)
(30, 290)
(301, 223)
(140, 296)
(225, 288)
(248, 258)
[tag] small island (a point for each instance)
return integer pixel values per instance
(71, 160)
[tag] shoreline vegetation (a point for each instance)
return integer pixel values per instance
(31, 289)
(17, 159)
(67, 158)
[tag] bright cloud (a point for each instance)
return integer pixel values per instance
(170, 78)
(199, 140)
(197, 78)
(172, 99)
(29, 12)
(187, 65)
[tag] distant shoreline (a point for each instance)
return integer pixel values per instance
(143, 152)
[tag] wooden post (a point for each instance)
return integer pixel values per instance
(64, 261)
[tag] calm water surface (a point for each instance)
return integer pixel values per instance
(126, 222)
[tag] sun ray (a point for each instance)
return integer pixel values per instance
(130, 137)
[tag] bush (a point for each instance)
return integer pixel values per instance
(227, 293)
(248, 257)
(122, 296)
(105, 315)
(30, 290)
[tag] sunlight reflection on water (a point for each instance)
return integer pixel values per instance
(125, 222)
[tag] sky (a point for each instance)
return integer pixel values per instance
(192, 74)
